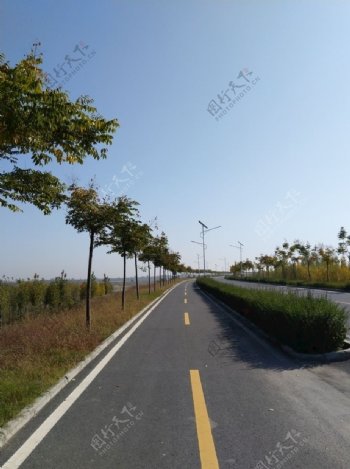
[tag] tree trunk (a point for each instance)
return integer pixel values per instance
(149, 278)
(136, 278)
(160, 276)
(308, 270)
(124, 275)
(327, 271)
(88, 283)
(154, 277)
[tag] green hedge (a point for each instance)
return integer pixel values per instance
(305, 323)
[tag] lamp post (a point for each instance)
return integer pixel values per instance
(240, 247)
(202, 236)
(198, 256)
(196, 242)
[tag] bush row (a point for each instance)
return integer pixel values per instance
(18, 300)
(305, 323)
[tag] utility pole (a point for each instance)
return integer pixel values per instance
(203, 232)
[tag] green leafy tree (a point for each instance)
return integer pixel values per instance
(160, 251)
(41, 189)
(268, 262)
(87, 213)
(119, 232)
(140, 237)
(47, 125)
(294, 256)
(282, 255)
(247, 265)
(307, 254)
(148, 255)
(344, 243)
(173, 263)
(327, 255)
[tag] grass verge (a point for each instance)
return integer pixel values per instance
(305, 323)
(36, 352)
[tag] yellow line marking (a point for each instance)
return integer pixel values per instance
(207, 450)
(185, 300)
(187, 319)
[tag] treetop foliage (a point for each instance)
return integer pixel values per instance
(44, 122)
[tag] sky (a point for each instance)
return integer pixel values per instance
(235, 113)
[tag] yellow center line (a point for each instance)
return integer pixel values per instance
(185, 300)
(205, 438)
(187, 319)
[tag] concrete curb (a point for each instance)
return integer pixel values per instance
(13, 426)
(337, 356)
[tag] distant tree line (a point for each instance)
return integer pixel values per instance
(302, 261)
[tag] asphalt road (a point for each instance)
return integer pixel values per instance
(189, 391)
(342, 298)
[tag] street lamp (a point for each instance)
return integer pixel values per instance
(202, 236)
(199, 270)
(205, 247)
(240, 247)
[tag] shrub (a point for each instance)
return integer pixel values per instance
(305, 323)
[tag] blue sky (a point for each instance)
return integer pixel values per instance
(275, 167)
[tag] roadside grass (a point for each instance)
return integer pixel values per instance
(37, 351)
(334, 285)
(305, 323)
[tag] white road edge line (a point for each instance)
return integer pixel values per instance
(32, 442)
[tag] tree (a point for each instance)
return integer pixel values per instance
(119, 232)
(294, 257)
(247, 265)
(140, 236)
(44, 123)
(160, 250)
(307, 254)
(282, 256)
(173, 263)
(86, 213)
(148, 255)
(344, 243)
(267, 262)
(328, 256)
(41, 189)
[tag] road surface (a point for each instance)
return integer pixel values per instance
(188, 387)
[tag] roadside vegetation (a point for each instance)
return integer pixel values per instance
(37, 351)
(305, 323)
(26, 298)
(44, 125)
(300, 264)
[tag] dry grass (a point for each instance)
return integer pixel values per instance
(36, 352)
